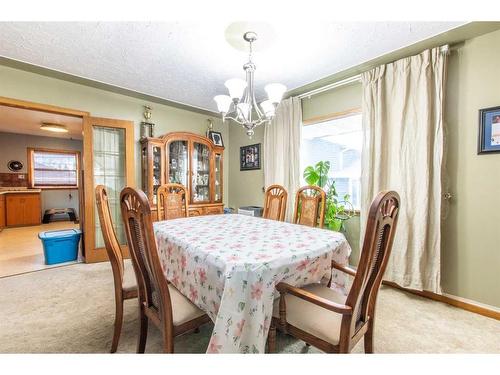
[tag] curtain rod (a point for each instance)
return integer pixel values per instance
(357, 78)
(347, 81)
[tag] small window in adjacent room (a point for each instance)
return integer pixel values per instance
(53, 168)
(339, 142)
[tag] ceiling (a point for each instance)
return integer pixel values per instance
(189, 62)
(27, 121)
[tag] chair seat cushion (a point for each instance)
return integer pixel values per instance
(129, 280)
(311, 318)
(183, 309)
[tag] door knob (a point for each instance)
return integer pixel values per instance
(447, 196)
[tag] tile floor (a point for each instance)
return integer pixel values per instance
(21, 250)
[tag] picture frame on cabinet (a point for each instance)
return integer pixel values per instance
(216, 138)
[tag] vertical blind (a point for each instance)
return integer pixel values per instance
(53, 168)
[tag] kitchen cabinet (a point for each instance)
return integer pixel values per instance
(23, 209)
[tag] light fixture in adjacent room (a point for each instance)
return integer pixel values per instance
(240, 105)
(52, 127)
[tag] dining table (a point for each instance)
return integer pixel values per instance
(228, 265)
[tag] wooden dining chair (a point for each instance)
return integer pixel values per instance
(113, 249)
(275, 203)
(328, 320)
(159, 301)
(171, 202)
(310, 202)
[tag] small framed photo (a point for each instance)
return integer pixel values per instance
(489, 130)
(216, 138)
(250, 157)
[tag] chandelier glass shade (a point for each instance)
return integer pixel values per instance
(240, 105)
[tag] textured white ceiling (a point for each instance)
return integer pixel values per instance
(189, 62)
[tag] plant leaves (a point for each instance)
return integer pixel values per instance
(311, 176)
(322, 169)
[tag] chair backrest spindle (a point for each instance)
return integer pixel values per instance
(275, 203)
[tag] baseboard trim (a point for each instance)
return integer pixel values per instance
(462, 303)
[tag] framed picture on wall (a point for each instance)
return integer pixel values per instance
(489, 130)
(250, 157)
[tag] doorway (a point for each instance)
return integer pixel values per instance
(40, 189)
(58, 155)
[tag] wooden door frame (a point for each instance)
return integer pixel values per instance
(93, 255)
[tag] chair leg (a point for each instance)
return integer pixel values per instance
(168, 345)
(118, 324)
(143, 331)
(271, 339)
(368, 339)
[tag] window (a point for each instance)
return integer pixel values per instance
(53, 168)
(339, 142)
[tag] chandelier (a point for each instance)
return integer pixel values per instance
(240, 105)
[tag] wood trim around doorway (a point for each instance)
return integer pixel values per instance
(17, 103)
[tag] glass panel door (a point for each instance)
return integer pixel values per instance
(156, 170)
(218, 178)
(109, 160)
(178, 162)
(200, 184)
(109, 170)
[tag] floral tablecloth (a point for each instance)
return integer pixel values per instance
(228, 265)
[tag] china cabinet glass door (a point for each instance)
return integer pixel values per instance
(218, 178)
(178, 162)
(200, 172)
(156, 170)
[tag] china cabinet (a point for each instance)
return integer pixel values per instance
(188, 159)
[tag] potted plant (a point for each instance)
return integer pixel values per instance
(337, 210)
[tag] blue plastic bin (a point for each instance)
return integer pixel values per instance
(60, 246)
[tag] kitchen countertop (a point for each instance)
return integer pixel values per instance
(16, 190)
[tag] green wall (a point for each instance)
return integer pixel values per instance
(24, 85)
(332, 101)
(470, 263)
(245, 186)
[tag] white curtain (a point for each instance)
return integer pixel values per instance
(403, 146)
(282, 149)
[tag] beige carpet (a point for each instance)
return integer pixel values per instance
(70, 309)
